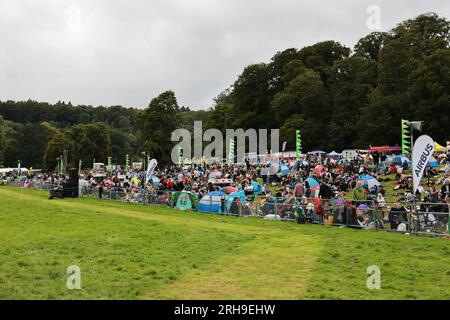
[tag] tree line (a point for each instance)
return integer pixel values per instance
(338, 97)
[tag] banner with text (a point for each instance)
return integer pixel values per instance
(422, 152)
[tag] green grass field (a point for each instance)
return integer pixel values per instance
(128, 251)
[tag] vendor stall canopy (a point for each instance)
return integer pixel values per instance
(439, 148)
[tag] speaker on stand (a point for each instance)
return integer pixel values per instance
(71, 187)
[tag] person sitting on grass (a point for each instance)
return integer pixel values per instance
(404, 182)
(393, 169)
(399, 172)
(372, 193)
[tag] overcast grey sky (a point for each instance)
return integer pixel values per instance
(110, 52)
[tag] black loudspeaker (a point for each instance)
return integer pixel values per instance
(73, 176)
(70, 189)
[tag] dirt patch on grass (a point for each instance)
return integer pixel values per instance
(261, 269)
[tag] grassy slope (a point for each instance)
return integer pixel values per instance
(130, 251)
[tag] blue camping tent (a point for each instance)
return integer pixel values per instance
(235, 195)
(313, 183)
(155, 181)
(211, 202)
(370, 181)
(400, 159)
(433, 163)
(284, 169)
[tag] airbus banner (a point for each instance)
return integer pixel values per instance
(151, 168)
(422, 152)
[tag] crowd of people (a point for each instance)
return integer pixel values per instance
(316, 189)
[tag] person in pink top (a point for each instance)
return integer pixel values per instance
(299, 190)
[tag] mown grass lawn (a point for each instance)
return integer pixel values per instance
(128, 251)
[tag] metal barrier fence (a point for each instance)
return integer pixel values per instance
(431, 218)
(415, 218)
(418, 218)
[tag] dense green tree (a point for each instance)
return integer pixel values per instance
(276, 66)
(55, 149)
(251, 98)
(187, 118)
(287, 131)
(156, 124)
(122, 143)
(91, 141)
(220, 117)
(408, 50)
(321, 56)
(312, 135)
(82, 142)
(369, 47)
(429, 93)
(291, 70)
(65, 114)
(305, 96)
(4, 128)
(351, 84)
(27, 144)
(379, 123)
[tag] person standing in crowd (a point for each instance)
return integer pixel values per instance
(381, 201)
(299, 190)
(180, 181)
(325, 191)
(376, 159)
(433, 193)
(358, 193)
(405, 165)
(445, 190)
(397, 215)
(100, 191)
